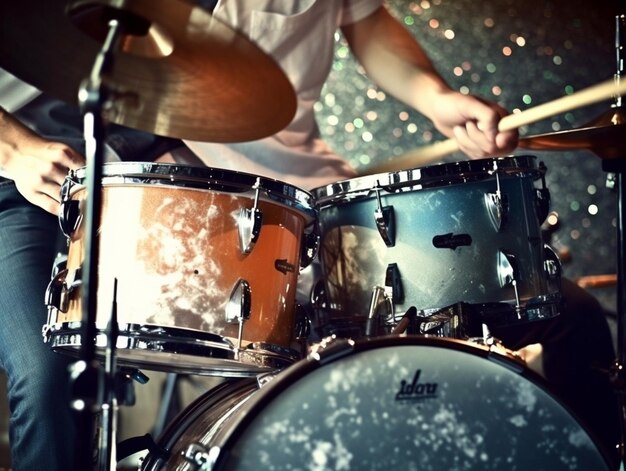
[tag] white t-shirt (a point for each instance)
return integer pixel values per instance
(299, 35)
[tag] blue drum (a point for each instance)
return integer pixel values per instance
(451, 241)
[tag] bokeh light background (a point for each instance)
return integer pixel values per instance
(519, 54)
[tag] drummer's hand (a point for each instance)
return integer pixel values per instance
(473, 123)
(39, 168)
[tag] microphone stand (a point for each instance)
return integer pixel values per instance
(93, 388)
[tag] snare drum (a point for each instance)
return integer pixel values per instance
(388, 403)
(206, 263)
(464, 232)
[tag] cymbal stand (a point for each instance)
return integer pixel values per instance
(94, 388)
(617, 168)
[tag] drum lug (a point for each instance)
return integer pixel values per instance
(508, 275)
(385, 220)
(56, 295)
(238, 307)
(393, 281)
(310, 246)
(202, 460)
(497, 204)
(551, 264)
(249, 223)
(70, 213)
(542, 197)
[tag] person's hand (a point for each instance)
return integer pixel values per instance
(473, 123)
(39, 168)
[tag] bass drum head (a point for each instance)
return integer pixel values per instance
(401, 403)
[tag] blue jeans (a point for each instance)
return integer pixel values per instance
(41, 423)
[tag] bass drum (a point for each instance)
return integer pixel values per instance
(387, 403)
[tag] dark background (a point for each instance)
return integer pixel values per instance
(554, 48)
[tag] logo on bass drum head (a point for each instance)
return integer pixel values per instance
(416, 391)
(284, 266)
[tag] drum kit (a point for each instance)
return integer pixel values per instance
(194, 270)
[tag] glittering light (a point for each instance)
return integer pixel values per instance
(380, 96)
(489, 23)
(592, 209)
(412, 128)
(574, 205)
(466, 66)
(427, 136)
(349, 127)
(425, 4)
(358, 123)
(364, 159)
(371, 115)
(329, 99)
(557, 60)
(332, 120)
(491, 68)
(448, 34)
(343, 52)
(433, 23)
(371, 93)
(464, 90)
(574, 234)
(403, 115)
(527, 99)
(367, 136)
(520, 41)
(409, 20)
(556, 126)
(591, 189)
(569, 117)
(569, 89)
(397, 132)
(475, 77)
(458, 71)
(497, 91)
(507, 51)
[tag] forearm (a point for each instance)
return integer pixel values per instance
(394, 60)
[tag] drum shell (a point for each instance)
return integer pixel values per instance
(354, 257)
(172, 245)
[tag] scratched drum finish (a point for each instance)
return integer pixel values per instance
(388, 403)
(464, 232)
(173, 237)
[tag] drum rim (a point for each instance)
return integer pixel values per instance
(207, 178)
(346, 347)
(431, 176)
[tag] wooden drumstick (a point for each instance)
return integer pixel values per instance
(428, 154)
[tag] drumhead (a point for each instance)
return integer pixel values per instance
(207, 178)
(405, 403)
(426, 177)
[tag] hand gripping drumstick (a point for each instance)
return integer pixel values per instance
(427, 154)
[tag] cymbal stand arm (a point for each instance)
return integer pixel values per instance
(620, 40)
(93, 97)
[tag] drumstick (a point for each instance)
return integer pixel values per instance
(597, 281)
(428, 154)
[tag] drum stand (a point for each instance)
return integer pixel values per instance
(95, 389)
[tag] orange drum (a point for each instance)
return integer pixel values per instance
(206, 263)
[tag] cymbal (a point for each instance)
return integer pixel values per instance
(604, 136)
(189, 76)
